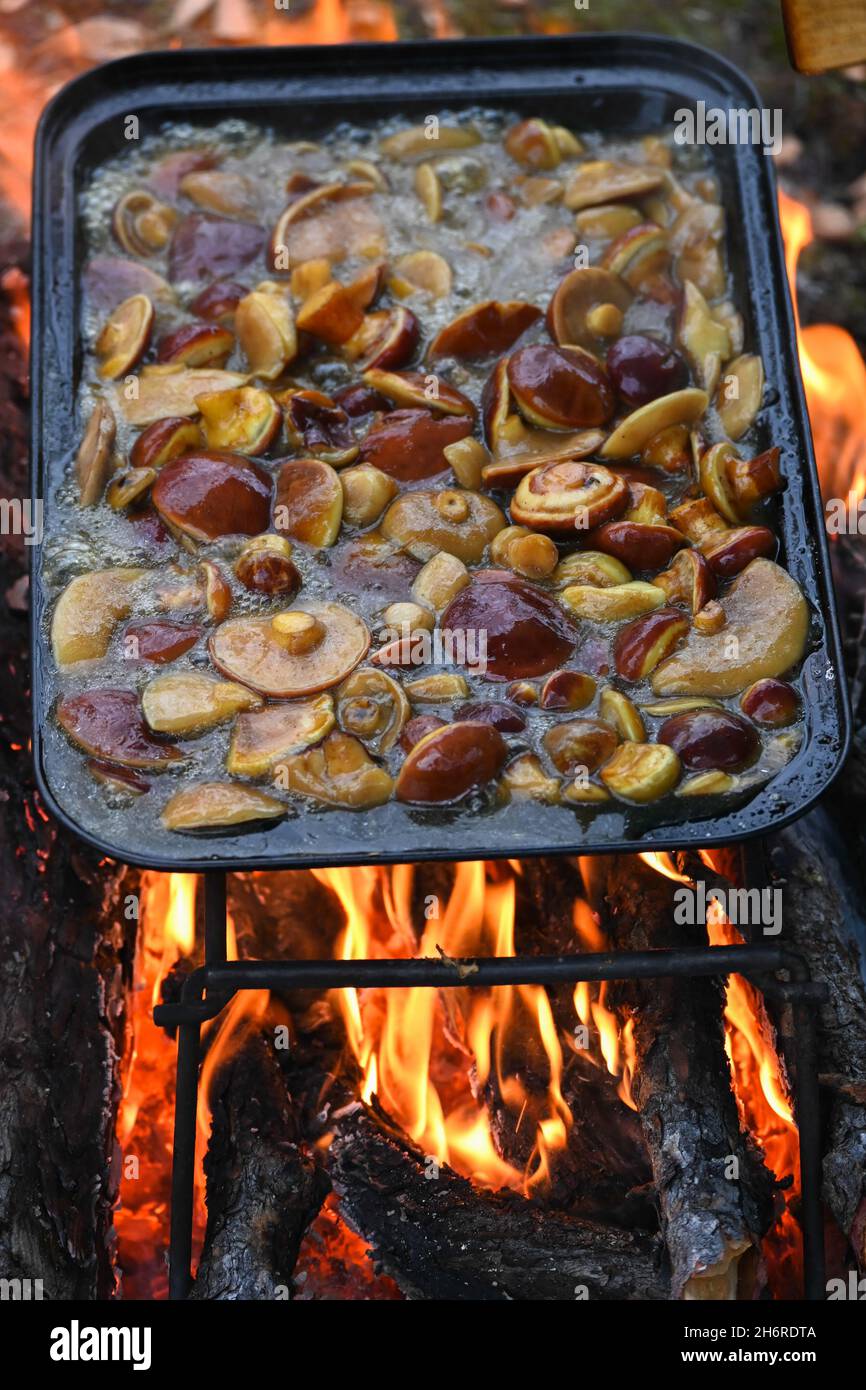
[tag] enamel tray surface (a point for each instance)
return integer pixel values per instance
(616, 82)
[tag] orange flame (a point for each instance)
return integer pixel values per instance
(834, 377)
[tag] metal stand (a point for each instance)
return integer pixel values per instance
(207, 990)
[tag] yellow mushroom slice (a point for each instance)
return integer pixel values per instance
(339, 772)
(765, 633)
(610, 604)
(372, 707)
(641, 772)
(707, 342)
(637, 429)
(190, 702)
(88, 611)
(426, 271)
(163, 391)
(265, 330)
(210, 805)
(606, 181)
(712, 783)
(245, 420)
(297, 652)
(422, 141)
(125, 336)
(261, 738)
(739, 396)
(94, 462)
(526, 780)
(429, 191)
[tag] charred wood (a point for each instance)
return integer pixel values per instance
(715, 1194)
(439, 1237)
(264, 1186)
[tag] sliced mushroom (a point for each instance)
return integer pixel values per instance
(309, 502)
(159, 641)
(429, 191)
(129, 487)
(245, 419)
(265, 566)
(426, 271)
(316, 649)
(372, 707)
(266, 330)
(332, 220)
(366, 493)
(88, 611)
(492, 326)
(526, 780)
(215, 805)
(533, 144)
(423, 390)
(94, 461)
(197, 345)
(125, 336)
(587, 308)
(165, 440)
(208, 495)
(110, 279)
(765, 633)
(387, 338)
(739, 395)
(706, 341)
(190, 703)
(219, 190)
(108, 724)
(680, 407)
(172, 390)
(606, 181)
(262, 738)
(460, 522)
(331, 314)
(420, 141)
(338, 772)
(449, 763)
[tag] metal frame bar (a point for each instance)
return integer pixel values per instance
(206, 992)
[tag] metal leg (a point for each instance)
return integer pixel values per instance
(183, 1162)
(186, 1100)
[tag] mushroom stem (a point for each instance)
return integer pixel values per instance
(297, 632)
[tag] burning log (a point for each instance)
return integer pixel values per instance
(440, 1237)
(264, 1187)
(714, 1192)
(824, 920)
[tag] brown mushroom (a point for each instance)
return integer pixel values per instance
(525, 632)
(607, 181)
(197, 345)
(462, 523)
(142, 224)
(560, 388)
(408, 444)
(265, 566)
(449, 763)
(309, 502)
(205, 247)
(158, 641)
(331, 314)
(165, 440)
(424, 390)
(208, 495)
(220, 190)
(322, 645)
(386, 339)
(266, 330)
(108, 724)
(333, 220)
(492, 326)
(314, 422)
(580, 744)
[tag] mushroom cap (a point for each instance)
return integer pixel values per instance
(213, 494)
(569, 496)
(424, 522)
(480, 330)
(207, 805)
(449, 762)
(576, 295)
(250, 650)
(526, 632)
(108, 724)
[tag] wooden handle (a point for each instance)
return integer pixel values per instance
(825, 34)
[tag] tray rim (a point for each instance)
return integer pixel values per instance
(642, 48)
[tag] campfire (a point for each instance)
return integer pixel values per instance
(522, 1128)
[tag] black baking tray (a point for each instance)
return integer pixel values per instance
(617, 83)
